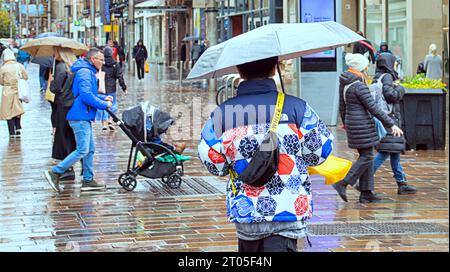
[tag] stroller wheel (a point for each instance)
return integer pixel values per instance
(129, 183)
(165, 179)
(122, 179)
(174, 181)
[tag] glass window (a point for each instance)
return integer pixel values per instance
(374, 22)
(397, 31)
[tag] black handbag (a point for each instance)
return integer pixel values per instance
(264, 163)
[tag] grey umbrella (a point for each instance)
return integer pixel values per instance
(285, 41)
(43, 61)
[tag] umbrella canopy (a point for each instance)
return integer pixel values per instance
(48, 34)
(285, 41)
(44, 46)
(43, 61)
(190, 38)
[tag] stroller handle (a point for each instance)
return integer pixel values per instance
(115, 118)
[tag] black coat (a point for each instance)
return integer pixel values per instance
(59, 78)
(113, 72)
(140, 53)
(393, 94)
(357, 112)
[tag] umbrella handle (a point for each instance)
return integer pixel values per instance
(281, 78)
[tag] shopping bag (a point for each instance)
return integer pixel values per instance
(334, 169)
(49, 96)
(23, 88)
(147, 67)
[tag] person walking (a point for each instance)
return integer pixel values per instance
(195, 52)
(80, 117)
(365, 48)
(433, 63)
(120, 52)
(11, 108)
(384, 48)
(270, 217)
(391, 146)
(64, 138)
(356, 107)
(183, 54)
(140, 56)
(112, 74)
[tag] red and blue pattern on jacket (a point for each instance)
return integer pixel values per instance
(227, 142)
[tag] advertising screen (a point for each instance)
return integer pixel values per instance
(314, 11)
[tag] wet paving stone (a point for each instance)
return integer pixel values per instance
(193, 217)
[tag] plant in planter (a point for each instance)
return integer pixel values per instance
(423, 112)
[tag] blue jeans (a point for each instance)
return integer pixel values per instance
(399, 175)
(85, 149)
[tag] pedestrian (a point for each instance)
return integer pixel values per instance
(433, 63)
(357, 106)
(140, 56)
(23, 58)
(44, 73)
(64, 139)
(270, 217)
(195, 52)
(364, 48)
(391, 146)
(183, 54)
(120, 52)
(384, 48)
(203, 47)
(80, 116)
(112, 73)
(11, 108)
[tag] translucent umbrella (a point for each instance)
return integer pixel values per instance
(43, 47)
(285, 41)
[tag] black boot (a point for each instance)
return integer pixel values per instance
(369, 197)
(341, 188)
(405, 189)
(68, 175)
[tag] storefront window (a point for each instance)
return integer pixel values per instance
(374, 22)
(397, 31)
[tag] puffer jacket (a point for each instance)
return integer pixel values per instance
(393, 93)
(358, 111)
(113, 72)
(231, 137)
(85, 89)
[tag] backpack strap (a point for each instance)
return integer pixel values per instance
(346, 87)
(278, 111)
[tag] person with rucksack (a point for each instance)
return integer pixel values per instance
(112, 74)
(64, 138)
(391, 146)
(265, 140)
(357, 108)
(86, 101)
(365, 48)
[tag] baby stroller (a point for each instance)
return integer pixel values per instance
(142, 124)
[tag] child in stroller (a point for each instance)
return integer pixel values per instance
(153, 158)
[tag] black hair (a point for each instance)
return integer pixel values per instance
(258, 69)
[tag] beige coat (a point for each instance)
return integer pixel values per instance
(11, 106)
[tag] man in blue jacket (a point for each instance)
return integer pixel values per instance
(80, 117)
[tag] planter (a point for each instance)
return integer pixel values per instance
(424, 118)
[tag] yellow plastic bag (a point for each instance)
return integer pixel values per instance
(334, 169)
(147, 68)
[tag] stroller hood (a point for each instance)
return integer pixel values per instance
(146, 121)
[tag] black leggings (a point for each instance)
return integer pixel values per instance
(14, 125)
(140, 69)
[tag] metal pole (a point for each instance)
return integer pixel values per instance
(11, 19)
(131, 33)
(38, 21)
(49, 16)
(92, 22)
(27, 3)
(212, 35)
(20, 19)
(67, 28)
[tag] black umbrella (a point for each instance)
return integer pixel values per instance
(43, 61)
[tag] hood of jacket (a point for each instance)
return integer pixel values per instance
(83, 63)
(384, 44)
(347, 78)
(108, 53)
(385, 64)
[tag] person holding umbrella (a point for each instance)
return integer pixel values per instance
(266, 140)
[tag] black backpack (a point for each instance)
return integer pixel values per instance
(66, 93)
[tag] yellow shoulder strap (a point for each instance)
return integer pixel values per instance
(278, 111)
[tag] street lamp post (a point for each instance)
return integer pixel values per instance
(27, 3)
(67, 29)
(11, 19)
(49, 16)
(131, 33)
(92, 23)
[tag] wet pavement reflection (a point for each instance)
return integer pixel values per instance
(34, 218)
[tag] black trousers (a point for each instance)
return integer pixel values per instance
(275, 243)
(362, 169)
(140, 66)
(53, 116)
(14, 125)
